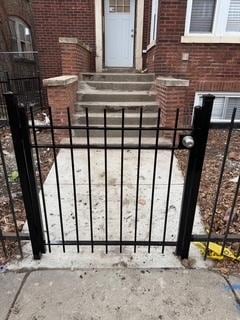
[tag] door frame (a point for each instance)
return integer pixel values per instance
(99, 32)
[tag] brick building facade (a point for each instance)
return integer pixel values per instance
(15, 14)
(169, 40)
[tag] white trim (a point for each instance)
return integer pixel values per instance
(219, 26)
(151, 45)
(139, 35)
(99, 35)
(154, 24)
(209, 39)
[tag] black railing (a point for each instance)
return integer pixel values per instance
(27, 89)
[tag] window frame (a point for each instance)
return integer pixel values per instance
(219, 23)
(154, 24)
(218, 94)
(27, 43)
(152, 40)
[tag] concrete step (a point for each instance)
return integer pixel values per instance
(93, 133)
(117, 85)
(115, 118)
(96, 106)
(115, 96)
(125, 77)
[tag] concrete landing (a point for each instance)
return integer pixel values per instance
(124, 294)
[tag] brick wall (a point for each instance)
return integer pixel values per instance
(172, 95)
(62, 94)
(75, 56)
(206, 61)
(62, 18)
(211, 67)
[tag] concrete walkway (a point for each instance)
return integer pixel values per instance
(71, 259)
(126, 294)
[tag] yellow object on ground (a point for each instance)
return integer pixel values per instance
(215, 250)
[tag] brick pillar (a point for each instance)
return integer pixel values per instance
(171, 95)
(75, 56)
(62, 94)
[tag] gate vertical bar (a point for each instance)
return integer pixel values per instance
(200, 125)
(21, 141)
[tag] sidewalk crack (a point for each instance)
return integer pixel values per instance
(17, 294)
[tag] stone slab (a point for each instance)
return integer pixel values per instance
(125, 294)
(60, 81)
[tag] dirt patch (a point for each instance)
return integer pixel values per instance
(6, 217)
(208, 188)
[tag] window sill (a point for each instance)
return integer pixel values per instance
(210, 39)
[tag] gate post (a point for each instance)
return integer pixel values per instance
(21, 141)
(200, 129)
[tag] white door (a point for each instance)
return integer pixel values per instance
(119, 32)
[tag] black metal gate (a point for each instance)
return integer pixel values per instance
(192, 139)
(27, 89)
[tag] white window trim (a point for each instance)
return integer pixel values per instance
(217, 94)
(153, 30)
(218, 34)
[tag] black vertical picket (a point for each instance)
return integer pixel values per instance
(21, 140)
(200, 125)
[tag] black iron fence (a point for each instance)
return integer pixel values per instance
(115, 230)
(10, 197)
(27, 89)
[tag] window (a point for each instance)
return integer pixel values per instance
(21, 38)
(224, 104)
(119, 6)
(154, 20)
(213, 18)
(202, 16)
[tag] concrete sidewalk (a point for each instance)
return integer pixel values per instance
(126, 294)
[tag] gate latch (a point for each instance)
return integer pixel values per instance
(187, 142)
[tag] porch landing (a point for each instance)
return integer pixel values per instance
(114, 259)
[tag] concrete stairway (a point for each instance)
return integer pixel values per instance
(113, 92)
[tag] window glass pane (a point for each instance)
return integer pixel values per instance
(218, 107)
(120, 9)
(202, 16)
(119, 6)
(12, 26)
(232, 103)
(22, 32)
(120, 3)
(233, 23)
(154, 20)
(14, 45)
